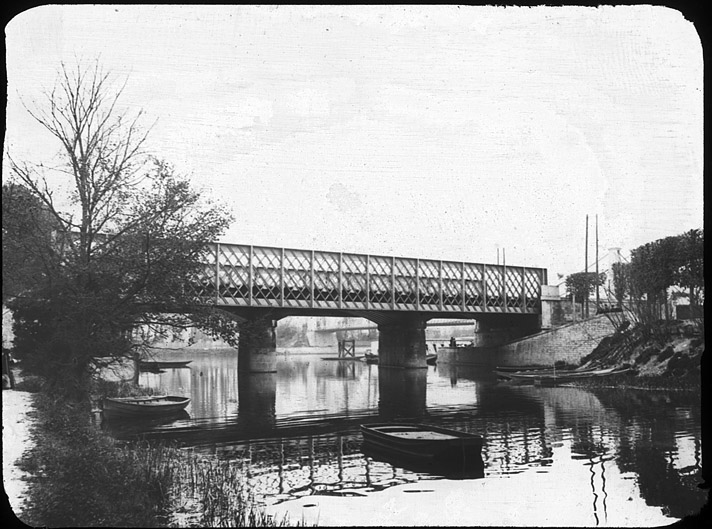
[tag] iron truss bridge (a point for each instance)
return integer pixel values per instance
(255, 276)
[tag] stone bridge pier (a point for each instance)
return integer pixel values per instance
(401, 342)
(257, 349)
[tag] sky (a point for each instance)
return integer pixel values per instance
(436, 132)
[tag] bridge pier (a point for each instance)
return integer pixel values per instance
(401, 342)
(257, 348)
(402, 393)
(256, 398)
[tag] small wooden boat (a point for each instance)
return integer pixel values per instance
(155, 366)
(424, 444)
(431, 359)
(511, 369)
(370, 358)
(551, 376)
(144, 407)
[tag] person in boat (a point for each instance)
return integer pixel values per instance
(453, 342)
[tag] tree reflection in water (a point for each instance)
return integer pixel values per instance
(298, 430)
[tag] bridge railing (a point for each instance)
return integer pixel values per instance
(257, 276)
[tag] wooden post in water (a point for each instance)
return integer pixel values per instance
(136, 367)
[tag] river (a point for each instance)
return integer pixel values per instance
(554, 456)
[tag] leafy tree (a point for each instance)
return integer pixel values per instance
(653, 268)
(25, 221)
(690, 269)
(581, 284)
(124, 257)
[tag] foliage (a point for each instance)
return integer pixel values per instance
(672, 261)
(25, 219)
(83, 478)
(126, 251)
(215, 493)
(581, 284)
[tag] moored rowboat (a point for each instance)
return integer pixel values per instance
(423, 443)
(149, 366)
(144, 407)
(559, 376)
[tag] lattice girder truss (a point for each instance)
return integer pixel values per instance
(254, 276)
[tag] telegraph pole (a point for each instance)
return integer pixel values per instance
(585, 276)
(597, 295)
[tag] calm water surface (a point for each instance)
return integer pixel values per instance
(561, 456)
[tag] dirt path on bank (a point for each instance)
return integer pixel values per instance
(16, 439)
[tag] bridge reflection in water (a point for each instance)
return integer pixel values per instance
(297, 432)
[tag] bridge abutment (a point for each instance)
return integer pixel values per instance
(257, 349)
(401, 342)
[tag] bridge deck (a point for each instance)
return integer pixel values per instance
(255, 276)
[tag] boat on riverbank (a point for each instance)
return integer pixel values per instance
(143, 407)
(560, 376)
(428, 446)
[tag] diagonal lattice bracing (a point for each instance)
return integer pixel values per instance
(233, 275)
(240, 275)
(266, 277)
(353, 280)
(514, 284)
(297, 278)
(326, 278)
(405, 283)
(532, 288)
(380, 277)
(473, 289)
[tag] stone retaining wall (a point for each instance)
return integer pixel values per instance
(569, 343)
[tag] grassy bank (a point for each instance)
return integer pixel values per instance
(82, 477)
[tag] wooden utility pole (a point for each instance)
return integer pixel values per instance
(596, 279)
(585, 277)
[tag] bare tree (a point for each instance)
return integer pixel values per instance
(132, 246)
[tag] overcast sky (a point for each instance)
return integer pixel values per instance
(431, 132)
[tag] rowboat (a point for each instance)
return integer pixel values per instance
(152, 366)
(431, 359)
(510, 369)
(551, 376)
(424, 444)
(370, 358)
(144, 407)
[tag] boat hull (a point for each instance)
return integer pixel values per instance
(549, 377)
(147, 407)
(151, 366)
(428, 446)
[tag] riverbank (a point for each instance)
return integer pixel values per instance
(18, 422)
(667, 359)
(61, 470)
